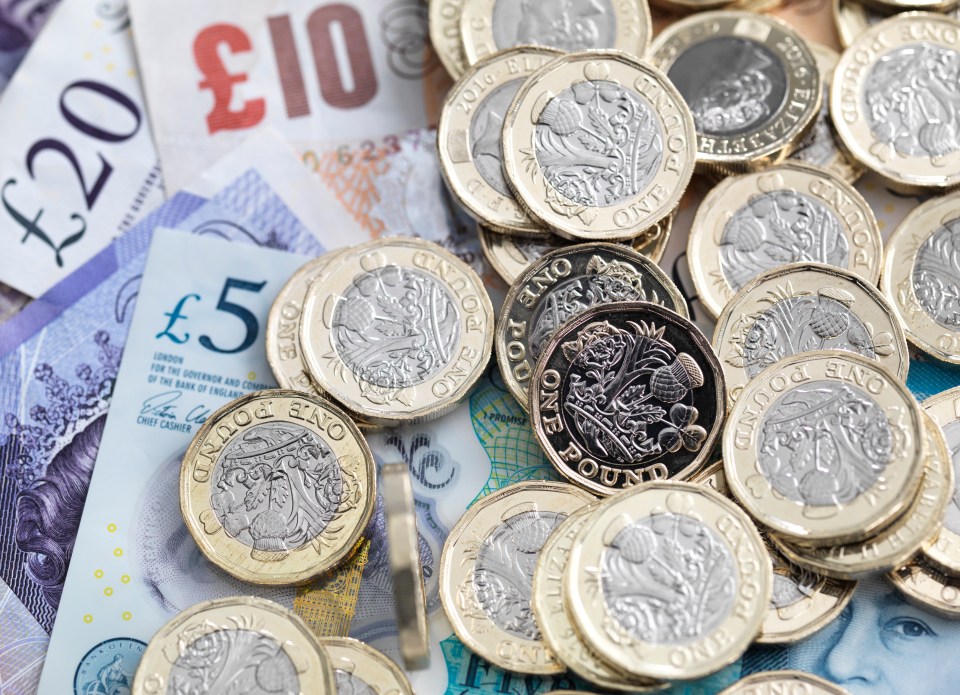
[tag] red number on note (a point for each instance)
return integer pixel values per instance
(220, 82)
(320, 27)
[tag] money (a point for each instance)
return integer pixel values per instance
(920, 272)
(445, 35)
(640, 155)
(757, 98)
(486, 572)
(358, 668)
(563, 284)
(798, 308)
(469, 134)
(235, 643)
(860, 473)
(397, 330)
(787, 214)
(275, 487)
(627, 393)
(944, 553)
(928, 588)
(773, 682)
(718, 602)
(22, 24)
(911, 154)
(406, 568)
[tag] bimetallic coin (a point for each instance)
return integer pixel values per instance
(928, 588)
(563, 284)
(820, 147)
(892, 102)
(669, 580)
(782, 682)
(793, 213)
(359, 669)
(486, 572)
(598, 146)
(269, 647)
(921, 276)
(398, 330)
(626, 393)
(277, 487)
(549, 608)
(944, 553)
(798, 308)
(469, 133)
(444, 21)
(894, 545)
(488, 26)
(751, 82)
(801, 602)
(403, 544)
(824, 448)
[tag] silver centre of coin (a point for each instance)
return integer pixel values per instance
(791, 585)
(503, 574)
(598, 143)
(668, 579)
(396, 327)
(823, 443)
(486, 128)
(240, 661)
(951, 518)
(349, 684)
(776, 228)
(276, 488)
(823, 321)
(570, 25)
(911, 97)
(818, 146)
(732, 85)
(936, 275)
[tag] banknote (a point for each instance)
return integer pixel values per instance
(20, 24)
(324, 73)
(77, 162)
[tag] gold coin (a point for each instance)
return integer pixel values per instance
(277, 487)
(562, 285)
(550, 612)
(824, 448)
(921, 272)
(801, 602)
(359, 668)
(639, 157)
(928, 588)
(751, 82)
(793, 213)
(631, 553)
(781, 682)
(397, 330)
(257, 635)
(444, 20)
(496, 544)
(510, 255)
(403, 545)
(820, 147)
(894, 545)
(944, 553)
(488, 26)
(797, 308)
(469, 133)
(907, 136)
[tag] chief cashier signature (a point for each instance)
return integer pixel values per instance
(163, 405)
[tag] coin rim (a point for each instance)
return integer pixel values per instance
(454, 62)
(944, 553)
(741, 687)
(366, 659)
(914, 577)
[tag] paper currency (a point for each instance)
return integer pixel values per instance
(20, 23)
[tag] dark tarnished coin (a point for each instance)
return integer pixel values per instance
(626, 393)
(751, 82)
(563, 284)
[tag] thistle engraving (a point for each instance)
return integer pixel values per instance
(668, 579)
(776, 228)
(823, 444)
(936, 276)
(396, 327)
(349, 684)
(911, 98)
(486, 128)
(233, 661)
(277, 487)
(628, 394)
(503, 573)
(570, 25)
